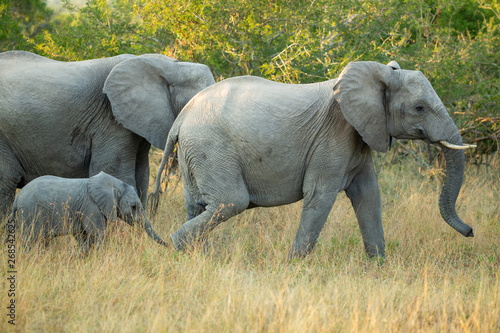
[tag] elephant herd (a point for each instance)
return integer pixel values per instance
(243, 142)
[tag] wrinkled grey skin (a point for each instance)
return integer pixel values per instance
(247, 142)
(52, 206)
(74, 119)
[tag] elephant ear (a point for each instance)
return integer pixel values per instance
(361, 93)
(394, 65)
(138, 89)
(101, 191)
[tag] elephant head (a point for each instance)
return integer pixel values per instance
(116, 199)
(383, 102)
(148, 92)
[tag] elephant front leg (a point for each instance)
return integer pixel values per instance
(11, 174)
(115, 153)
(317, 206)
(94, 228)
(364, 194)
(142, 171)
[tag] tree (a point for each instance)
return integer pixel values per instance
(21, 19)
(454, 43)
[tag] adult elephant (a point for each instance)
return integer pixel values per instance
(75, 119)
(248, 142)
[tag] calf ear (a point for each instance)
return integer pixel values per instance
(394, 65)
(360, 92)
(101, 191)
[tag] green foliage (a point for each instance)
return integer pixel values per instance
(9, 30)
(19, 19)
(93, 31)
(465, 16)
(454, 43)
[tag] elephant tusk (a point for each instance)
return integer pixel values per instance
(452, 146)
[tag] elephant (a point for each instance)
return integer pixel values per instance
(248, 142)
(51, 206)
(75, 119)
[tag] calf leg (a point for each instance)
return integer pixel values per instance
(84, 242)
(94, 225)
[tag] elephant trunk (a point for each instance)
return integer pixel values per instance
(149, 230)
(455, 162)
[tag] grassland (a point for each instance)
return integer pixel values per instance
(435, 279)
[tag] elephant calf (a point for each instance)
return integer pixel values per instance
(51, 206)
(248, 142)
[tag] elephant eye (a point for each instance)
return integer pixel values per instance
(420, 108)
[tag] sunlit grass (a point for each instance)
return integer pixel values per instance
(435, 279)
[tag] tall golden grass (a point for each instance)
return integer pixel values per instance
(435, 279)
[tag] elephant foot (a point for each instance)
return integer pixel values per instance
(379, 259)
(178, 241)
(375, 254)
(296, 254)
(181, 240)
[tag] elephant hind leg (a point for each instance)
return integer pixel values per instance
(193, 207)
(198, 227)
(217, 211)
(31, 236)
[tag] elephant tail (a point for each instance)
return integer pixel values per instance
(13, 211)
(154, 197)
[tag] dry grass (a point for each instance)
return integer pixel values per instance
(436, 280)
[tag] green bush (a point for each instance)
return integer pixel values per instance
(454, 43)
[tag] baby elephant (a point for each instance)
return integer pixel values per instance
(51, 206)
